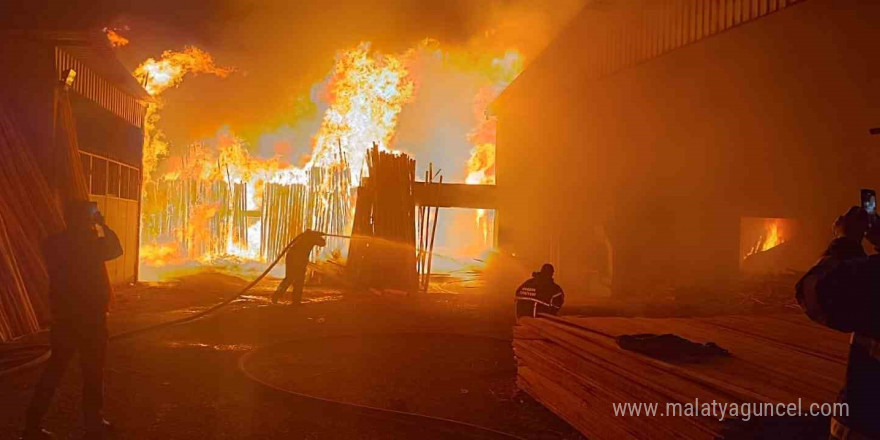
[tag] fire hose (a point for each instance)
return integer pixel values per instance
(424, 421)
(127, 334)
(440, 425)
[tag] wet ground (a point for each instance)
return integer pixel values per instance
(183, 383)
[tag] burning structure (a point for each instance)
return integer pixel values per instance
(218, 201)
(655, 129)
(101, 111)
(222, 199)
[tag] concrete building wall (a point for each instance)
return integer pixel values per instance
(767, 119)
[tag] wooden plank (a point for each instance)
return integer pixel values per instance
(574, 367)
(773, 371)
(454, 195)
(599, 388)
(673, 381)
(803, 333)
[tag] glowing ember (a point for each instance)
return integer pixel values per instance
(114, 38)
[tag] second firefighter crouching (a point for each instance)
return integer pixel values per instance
(539, 294)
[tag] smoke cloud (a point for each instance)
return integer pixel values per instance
(282, 51)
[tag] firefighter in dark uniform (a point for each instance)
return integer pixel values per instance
(842, 291)
(295, 263)
(539, 294)
(79, 296)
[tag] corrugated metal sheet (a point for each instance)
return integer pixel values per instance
(95, 87)
(625, 33)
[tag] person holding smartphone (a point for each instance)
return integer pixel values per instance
(842, 291)
(79, 296)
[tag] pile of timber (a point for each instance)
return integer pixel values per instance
(283, 217)
(574, 367)
(239, 216)
(383, 252)
(192, 212)
(30, 201)
(329, 202)
(27, 216)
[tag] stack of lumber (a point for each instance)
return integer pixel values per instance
(383, 252)
(283, 217)
(192, 212)
(30, 201)
(574, 367)
(17, 314)
(67, 178)
(329, 203)
(239, 215)
(28, 215)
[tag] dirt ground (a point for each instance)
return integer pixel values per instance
(183, 383)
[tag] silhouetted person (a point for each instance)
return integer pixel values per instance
(539, 294)
(79, 296)
(295, 263)
(842, 291)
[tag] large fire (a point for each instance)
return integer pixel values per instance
(216, 201)
(157, 76)
(367, 92)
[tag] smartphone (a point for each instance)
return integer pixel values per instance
(869, 203)
(94, 212)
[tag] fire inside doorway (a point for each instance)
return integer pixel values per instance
(767, 244)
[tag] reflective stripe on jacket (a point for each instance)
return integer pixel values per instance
(538, 295)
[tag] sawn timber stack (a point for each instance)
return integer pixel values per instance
(574, 367)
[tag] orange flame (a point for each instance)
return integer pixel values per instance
(774, 235)
(159, 254)
(159, 75)
(367, 92)
(115, 39)
(481, 164)
(155, 144)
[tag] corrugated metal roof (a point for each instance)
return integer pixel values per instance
(610, 35)
(103, 61)
(93, 50)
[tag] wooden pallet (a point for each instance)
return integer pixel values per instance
(574, 367)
